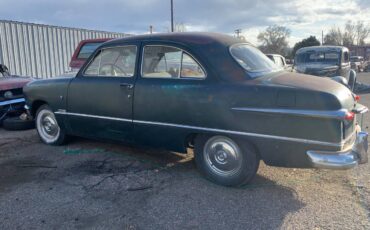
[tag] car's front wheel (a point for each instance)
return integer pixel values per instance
(48, 128)
(225, 161)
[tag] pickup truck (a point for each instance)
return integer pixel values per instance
(83, 51)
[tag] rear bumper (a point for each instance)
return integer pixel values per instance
(346, 159)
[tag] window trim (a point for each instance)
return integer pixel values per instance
(105, 48)
(179, 77)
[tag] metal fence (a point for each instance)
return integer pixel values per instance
(41, 51)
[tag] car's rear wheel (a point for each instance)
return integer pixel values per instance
(48, 128)
(225, 161)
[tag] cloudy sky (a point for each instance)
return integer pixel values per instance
(302, 17)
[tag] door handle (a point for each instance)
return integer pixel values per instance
(127, 85)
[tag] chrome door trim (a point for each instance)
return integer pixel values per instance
(63, 112)
(292, 139)
(327, 114)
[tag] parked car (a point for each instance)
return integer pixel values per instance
(326, 61)
(206, 91)
(357, 63)
(12, 101)
(83, 51)
(279, 61)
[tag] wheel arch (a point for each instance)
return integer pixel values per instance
(36, 105)
(247, 142)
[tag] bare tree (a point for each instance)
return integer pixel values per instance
(334, 37)
(362, 32)
(274, 39)
(353, 34)
(349, 35)
(178, 27)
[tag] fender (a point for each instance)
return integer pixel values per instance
(340, 80)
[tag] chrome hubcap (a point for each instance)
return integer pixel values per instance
(47, 126)
(222, 155)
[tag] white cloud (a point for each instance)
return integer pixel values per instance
(303, 18)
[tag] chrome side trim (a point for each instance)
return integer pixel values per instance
(300, 140)
(92, 116)
(14, 101)
(328, 114)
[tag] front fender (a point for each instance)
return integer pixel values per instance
(340, 80)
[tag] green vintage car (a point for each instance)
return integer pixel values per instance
(206, 91)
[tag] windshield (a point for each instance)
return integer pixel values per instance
(355, 59)
(329, 57)
(253, 60)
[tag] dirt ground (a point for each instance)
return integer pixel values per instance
(89, 184)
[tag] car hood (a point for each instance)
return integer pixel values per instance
(14, 82)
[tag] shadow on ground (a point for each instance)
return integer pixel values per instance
(93, 184)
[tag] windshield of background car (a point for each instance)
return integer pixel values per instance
(253, 60)
(355, 59)
(329, 57)
(87, 49)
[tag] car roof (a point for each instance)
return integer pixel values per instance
(91, 40)
(190, 38)
(322, 48)
(274, 55)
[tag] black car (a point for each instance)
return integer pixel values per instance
(210, 92)
(326, 61)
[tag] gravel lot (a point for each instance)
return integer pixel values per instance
(89, 184)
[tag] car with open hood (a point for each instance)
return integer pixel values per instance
(326, 61)
(12, 100)
(208, 92)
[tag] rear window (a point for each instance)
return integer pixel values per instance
(87, 49)
(252, 59)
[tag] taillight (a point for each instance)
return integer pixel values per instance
(357, 98)
(349, 116)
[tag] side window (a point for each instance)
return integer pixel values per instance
(345, 57)
(169, 62)
(278, 61)
(190, 68)
(93, 68)
(114, 62)
(282, 61)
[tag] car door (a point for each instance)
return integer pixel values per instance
(99, 102)
(171, 92)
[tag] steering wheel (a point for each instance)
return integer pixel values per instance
(112, 70)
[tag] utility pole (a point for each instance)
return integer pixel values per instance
(172, 26)
(238, 32)
(322, 37)
(150, 29)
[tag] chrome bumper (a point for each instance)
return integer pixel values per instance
(14, 101)
(346, 159)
